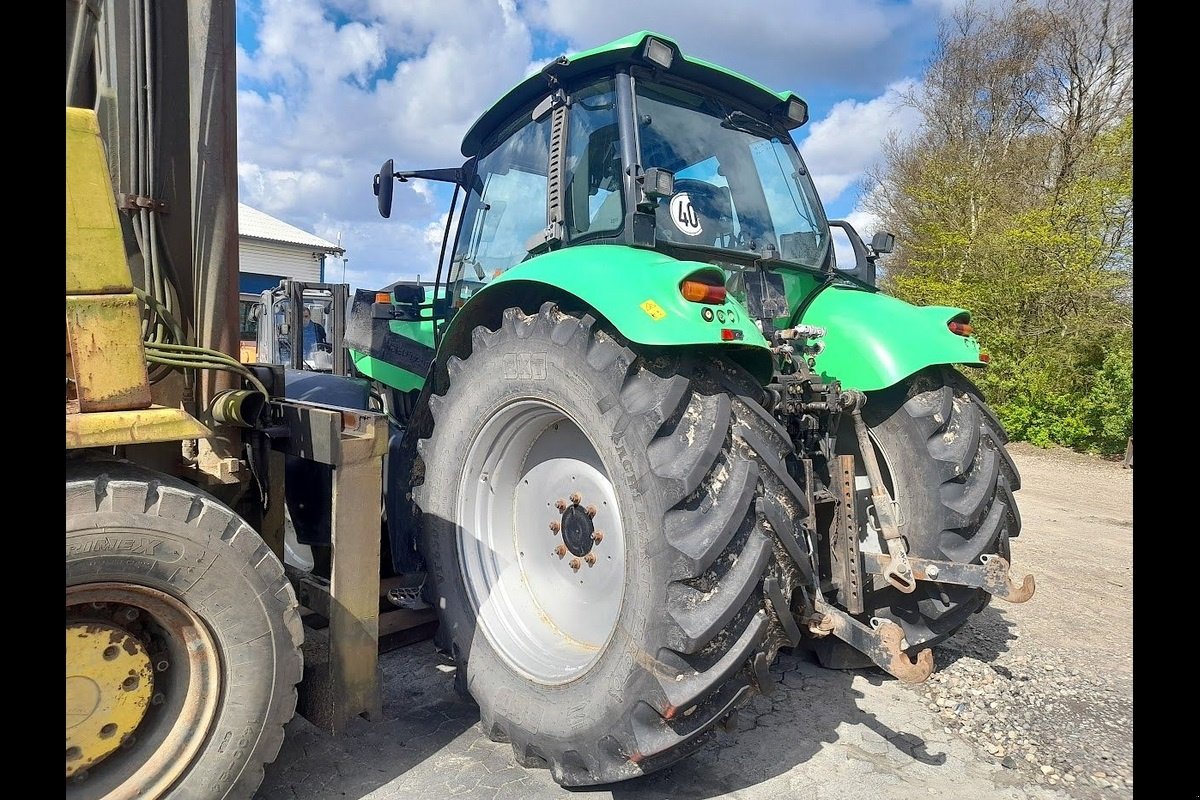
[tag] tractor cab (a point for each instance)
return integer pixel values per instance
(634, 144)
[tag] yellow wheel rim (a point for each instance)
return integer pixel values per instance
(110, 681)
(143, 686)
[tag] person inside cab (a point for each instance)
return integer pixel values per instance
(314, 334)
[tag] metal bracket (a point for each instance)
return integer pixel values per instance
(883, 642)
(136, 202)
(843, 549)
(992, 575)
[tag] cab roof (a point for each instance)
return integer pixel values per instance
(627, 50)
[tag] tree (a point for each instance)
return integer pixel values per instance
(1014, 200)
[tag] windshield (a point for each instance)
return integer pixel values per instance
(739, 183)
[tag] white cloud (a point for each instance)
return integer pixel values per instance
(787, 44)
(841, 146)
(422, 189)
(322, 103)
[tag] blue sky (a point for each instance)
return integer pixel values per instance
(328, 89)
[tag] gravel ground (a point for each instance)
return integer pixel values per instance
(1046, 688)
(1029, 701)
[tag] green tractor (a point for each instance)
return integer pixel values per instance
(647, 432)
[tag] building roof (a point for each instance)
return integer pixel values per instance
(260, 225)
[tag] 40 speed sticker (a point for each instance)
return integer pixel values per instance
(684, 215)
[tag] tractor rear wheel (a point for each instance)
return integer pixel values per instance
(941, 451)
(597, 540)
(183, 640)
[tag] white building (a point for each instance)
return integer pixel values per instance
(269, 250)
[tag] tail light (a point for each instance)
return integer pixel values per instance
(984, 357)
(697, 292)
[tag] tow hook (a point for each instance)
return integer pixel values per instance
(898, 571)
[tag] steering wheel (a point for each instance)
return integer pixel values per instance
(697, 213)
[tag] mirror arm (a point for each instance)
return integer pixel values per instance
(451, 175)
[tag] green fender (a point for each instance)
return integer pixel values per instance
(635, 290)
(420, 331)
(873, 341)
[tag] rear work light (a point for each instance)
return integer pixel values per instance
(658, 52)
(697, 292)
(961, 328)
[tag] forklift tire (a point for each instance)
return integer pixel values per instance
(598, 525)
(192, 700)
(941, 451)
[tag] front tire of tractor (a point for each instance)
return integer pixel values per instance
(941, 449)
(602, 657)
(183, 640)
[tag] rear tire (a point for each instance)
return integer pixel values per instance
(941, 449)
(602, 684)
(161, 563)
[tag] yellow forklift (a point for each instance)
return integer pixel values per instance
(183, 632)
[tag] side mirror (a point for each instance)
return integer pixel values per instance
(383, 187)
(864, 265)
(883, 242)
(408, 295)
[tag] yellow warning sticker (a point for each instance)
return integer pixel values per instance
(654, 310)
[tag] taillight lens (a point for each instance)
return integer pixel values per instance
(961, 328)
(383, 297)
(697, 292)
(731, 335)
(984, 357)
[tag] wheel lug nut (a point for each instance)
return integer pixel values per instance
(591, 512)
(560, 551)
(575, 498)
(574, 564)
(590, 559)
(555, 527)
(598, 537)
(561, 505)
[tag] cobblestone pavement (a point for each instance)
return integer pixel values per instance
(1013, 712)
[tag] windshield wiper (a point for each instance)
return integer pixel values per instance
(741, 121)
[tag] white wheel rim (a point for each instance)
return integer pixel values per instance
(548, 621)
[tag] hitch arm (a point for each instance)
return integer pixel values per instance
(992, 575)
(882, 641)
(898, 571)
